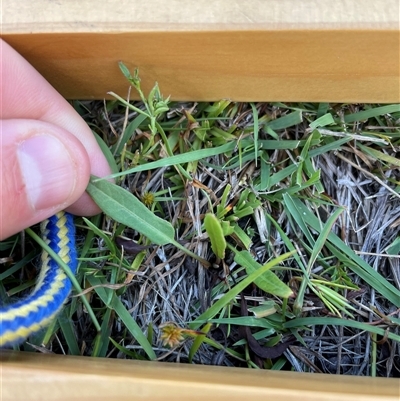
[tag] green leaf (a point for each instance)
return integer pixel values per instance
(286, 121)
(322, 121)
(182, 158)
(110, 244)
(198, 341)
(379, 155)
(266, 308)
(107, 153)
(68, 330)
(129, 131)
(102, 340)
(104, 293)
(394, 247)
(237, 289)
(125, 208)
(268, 281)
(241, 236)
(248, 321)
(315, 321)
(345, 254)
(371, 113)
(216, 235)
(255, 131)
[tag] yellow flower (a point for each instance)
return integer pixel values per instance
(148, 199)
(171, 335)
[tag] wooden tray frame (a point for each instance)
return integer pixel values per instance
(199, 50)
(345, 51)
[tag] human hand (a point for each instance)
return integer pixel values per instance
(47, 152)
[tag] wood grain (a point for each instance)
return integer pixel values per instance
(280, 50)
(34, 377)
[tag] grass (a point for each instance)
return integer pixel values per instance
(258, 235)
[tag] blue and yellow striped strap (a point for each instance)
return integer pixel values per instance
(29, 315)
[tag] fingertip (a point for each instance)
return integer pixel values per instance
(44, 169)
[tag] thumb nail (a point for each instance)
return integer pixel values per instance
(48, 171)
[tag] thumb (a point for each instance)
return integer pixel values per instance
(44, 169)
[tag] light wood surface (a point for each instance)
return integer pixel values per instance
(28, 376)
(253, 50)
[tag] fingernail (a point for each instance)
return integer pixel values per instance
(48, 171)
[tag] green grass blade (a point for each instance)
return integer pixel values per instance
(255, 131)
(103, 338)
(268, 281)
(69, 332)
(179, 159)
(352, 260)
(248, 321)
(315, 321)
(68, 272)
(287, 121)
(198, 341)
(129, 131)
(123, 314)
(371, 113)
(322, 121)
(323, 236)
(379, 155)
(107, 153)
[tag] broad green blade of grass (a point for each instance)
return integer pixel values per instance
(322, 121)
(233, 292)
(119, 308)
(68, 331)
(371, 113)
(302, 322)
(268, 281)
(281, 175)
(125, 208)
(287, 121)
(394, 247)
(46, 336)
(322, 109)
(334, 145)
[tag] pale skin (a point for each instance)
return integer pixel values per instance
(47, 152)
